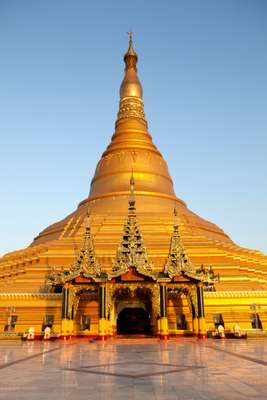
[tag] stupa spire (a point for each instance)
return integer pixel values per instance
(131, 91)
(131, 145)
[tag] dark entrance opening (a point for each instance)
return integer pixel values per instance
(133, 321)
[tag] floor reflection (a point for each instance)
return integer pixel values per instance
(184, 368)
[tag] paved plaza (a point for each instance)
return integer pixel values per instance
(137, 369)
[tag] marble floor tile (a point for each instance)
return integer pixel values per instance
(134, 369)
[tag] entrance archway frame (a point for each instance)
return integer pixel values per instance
(189, 291)
(115, 295)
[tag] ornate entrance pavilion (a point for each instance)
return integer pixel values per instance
(132, 284)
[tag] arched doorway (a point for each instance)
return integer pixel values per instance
(133, 320)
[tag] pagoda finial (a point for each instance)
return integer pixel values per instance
(175, 214)
(131, 92)
(132, 197)
(130, 52)
(130, 34)
(132, 181)
(87, 218)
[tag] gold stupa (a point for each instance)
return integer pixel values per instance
(240, 295)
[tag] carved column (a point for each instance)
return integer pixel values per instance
(164, 330)
(109, 311)
(102, 321)
(202, 332)
(66, 312)
(65, 302)
(155, 302)
(194, 320)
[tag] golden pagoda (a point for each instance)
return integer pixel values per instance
(132, 258)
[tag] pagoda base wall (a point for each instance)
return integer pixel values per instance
(31, 309)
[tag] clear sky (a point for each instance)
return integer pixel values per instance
(203, 66)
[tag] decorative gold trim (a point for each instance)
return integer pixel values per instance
(236, 294)
(118, 172)
(30, 295)
(138, 193)
(131, 107)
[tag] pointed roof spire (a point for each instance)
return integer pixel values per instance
(87, 218)
(130, 51)
(175, 219)
(132, 252)
(177, 261)
(86, 263)
(132, 197)
(131, 86)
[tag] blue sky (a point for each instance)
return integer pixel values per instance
(203, 68)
